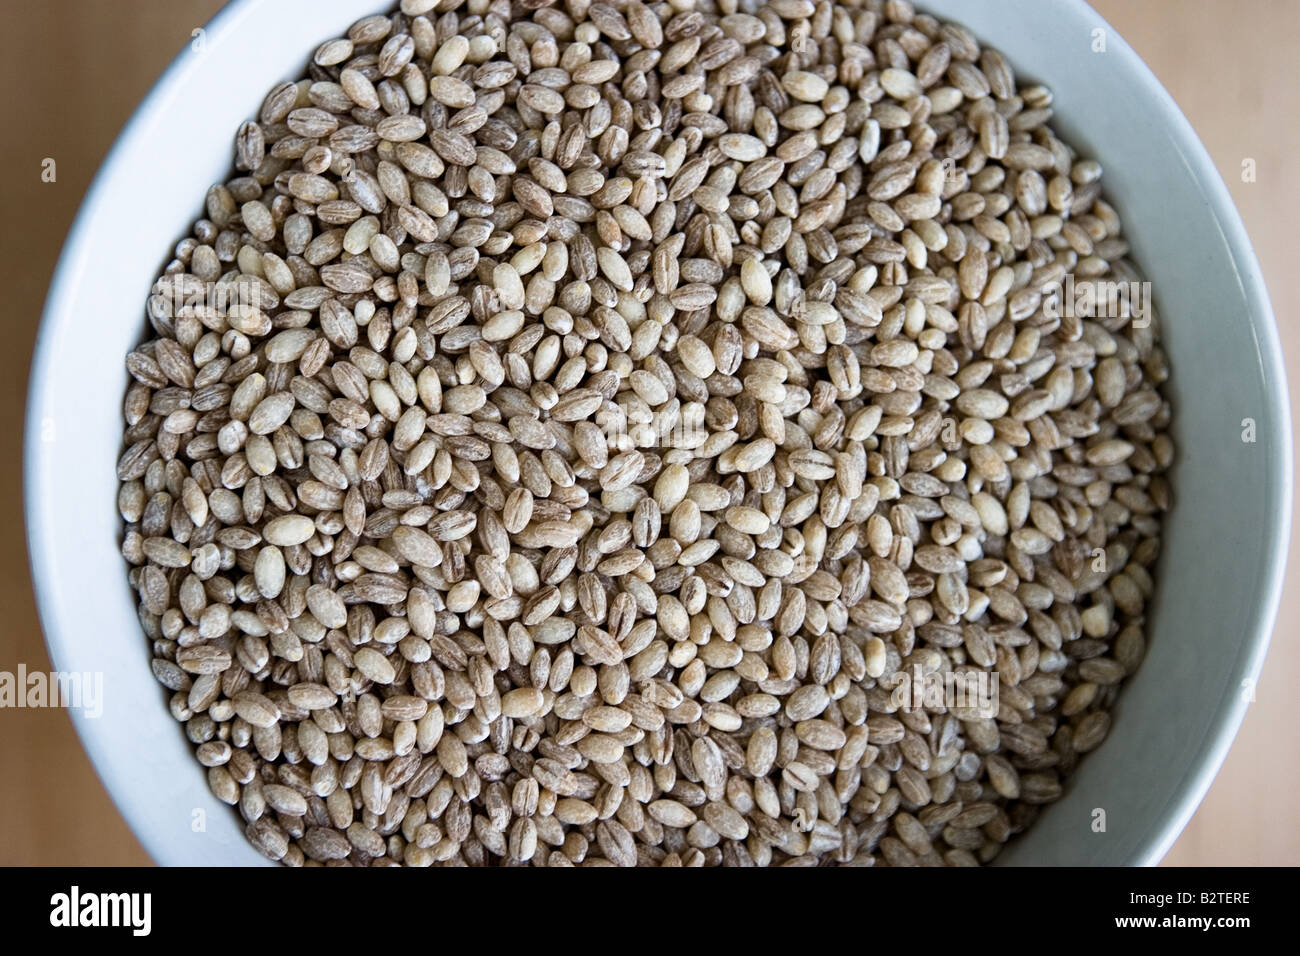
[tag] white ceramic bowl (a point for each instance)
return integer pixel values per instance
(1220, 574)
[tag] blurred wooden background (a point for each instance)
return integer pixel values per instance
(75, 69)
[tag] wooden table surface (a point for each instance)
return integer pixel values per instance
(74, 69)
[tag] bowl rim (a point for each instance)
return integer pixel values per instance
(1200, 770)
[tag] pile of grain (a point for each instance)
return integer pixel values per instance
(576, 424)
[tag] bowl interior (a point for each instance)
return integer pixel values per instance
(1220, 570)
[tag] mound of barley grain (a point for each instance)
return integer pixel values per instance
(591, 433)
